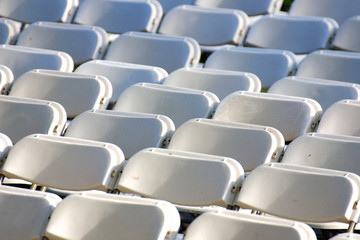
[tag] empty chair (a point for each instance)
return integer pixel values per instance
(325, 92)
(208, 26)
(341, 118)
(76, 92)
(9, 31)
(228, 225)
(107, 216)
(132, 132)
(292, 116)
(167, 52)
(22, 59)
(122, 75)
(167, 5)
(291, 33)
(24, 213)
(82, 43)
(331, 65)
(183, 178)
(219, 82)
(347, 37)
(269, 65)
(6, 79)
(179, 104)
(251, 145)
(64, 163)
(23, 116)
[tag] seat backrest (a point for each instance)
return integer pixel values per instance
(132, 132)
(64, 163)
(107, 216)
(23, 59)
(292, 192)
(5, 146)
(167, 52)
(251, 145)
(292, 116)
(122, 75)
(24, 213)
(339, 10)
(341, 118)
(23, 116)
(346, 236)
(167, 5)
(82, 43)
(120, 16)
(6, 79)
(269, 65)
(325, 92)
(208, 26)
(348, 35)
(228, 224)
(219, 82)
(9, 31)
(179, 104)
(30, 11)
(77, 93)
(331, 65)
(291, 33)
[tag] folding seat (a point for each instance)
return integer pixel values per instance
(179, 104)
(269, 65)
(120, 16)
(122, 75)
(346, 236)
(64, 163)
(24, 213)
(208, 26)
(292, 116)
(291, 33)
(325, 92)
(107, 216)
(167, 52)
(341, 118)
(228, 225)
(6, 78)
(167, 5)
(9, 31)
(30, 11)
(76, 92)
(347, 37)
(22, 59)
(23, 116)
(132, 132)
(331, 65)
(339, 10)
(184, 178)
(250, 145)
(219, 82)
(82, 43)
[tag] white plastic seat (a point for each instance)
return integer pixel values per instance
(325, 92)
(106, 216)
(348, 35)
(22, 59)
(269, 65)
(227, 225)
(5, 145)
(9, 31)
(64, 163)
(120, 16)
(132, 132)
(22, 116)
(167, 52)
(250, 145)
(183, 178)
(122, 75)
(331, 65)
(208, 26)
(24, 213)
(219, 82)
(341, 118)
(77, 93)
(82, 43)
(292, 116)
(30, 11)
(346, 236)
(179, 104)
(291, 33)
(6, 79)
(167, 5)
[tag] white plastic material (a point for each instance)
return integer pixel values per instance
(348, 35)
(346, 236)
(167, 5)
(9, 31)
(6, 78)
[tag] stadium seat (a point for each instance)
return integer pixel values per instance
(346, 236)
(5, 145)
(167, 5)
(9, 31)
(348, 35)
(6, 79)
